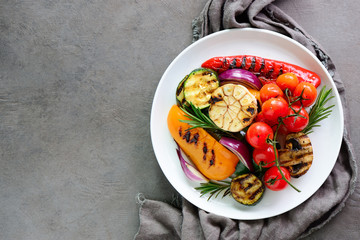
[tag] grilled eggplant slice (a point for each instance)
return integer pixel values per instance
(247, 189)
(233, 107)
(199, 86)
(297, 155)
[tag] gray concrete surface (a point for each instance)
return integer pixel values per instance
(77, 80)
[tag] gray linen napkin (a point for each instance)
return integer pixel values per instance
(159, 220)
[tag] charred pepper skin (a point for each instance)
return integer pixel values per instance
(266, 69)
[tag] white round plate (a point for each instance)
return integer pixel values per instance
(326, 139)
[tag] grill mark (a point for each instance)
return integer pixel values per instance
(212, 160)
(251, 110)
(207, 73)
(256, 193)
(187, 136)
(297, 167)
(243, 63)
(233, 63)
(281, 70)
(224, 62)
(252, 66)
(295, 144)
(246, 120)
(250, 185)
(180, 131)
(205, 150)
(195, 138)
(262, 64)
(216, 99)
(242, 179)
(268, 74)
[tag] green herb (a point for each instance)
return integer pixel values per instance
(198, 118)
(214, 188)
(318, 111)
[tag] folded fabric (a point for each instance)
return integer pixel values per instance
(160, 220)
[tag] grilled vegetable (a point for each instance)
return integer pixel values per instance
(180, 98)
(211, 158)
(297, 155)
(266, 69)
(233, 107)
(247, 189)
(240, 76)
(199, 86)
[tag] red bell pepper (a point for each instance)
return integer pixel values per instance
(267, 70)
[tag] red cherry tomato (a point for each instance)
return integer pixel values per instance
(270, 90)
(265, 157)
(273, 179)
(274, 108)
(287, 81)
(260, 117)
(296, 123)
(282, 129)
(308, 93)
(257, 134)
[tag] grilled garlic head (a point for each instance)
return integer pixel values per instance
(232, 107)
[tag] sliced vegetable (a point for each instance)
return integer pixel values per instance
(211, 158)
(233, 107)
(189, 169)
(297, 155)
(247, 189)
(266, 69)
(199, 86)
(240, 149)
(240, 76)
(180, 97)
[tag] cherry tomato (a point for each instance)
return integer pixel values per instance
(270, 90)
(287, 81)
(260, 117)
(257, 134)
(265, 157)
(274, 108)
(273, 179)
(282, 129)
(296, 123)
(308, 93)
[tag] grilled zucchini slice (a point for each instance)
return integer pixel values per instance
(180, 97)
(233, 107)
(199, 86)
(247, 189)
(297, 155)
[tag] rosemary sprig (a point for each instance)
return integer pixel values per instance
(214, 188)
(318, 111)
(198, 118)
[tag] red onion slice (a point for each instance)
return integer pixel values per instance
(240, 149)
(241, 76)
(189, 169)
